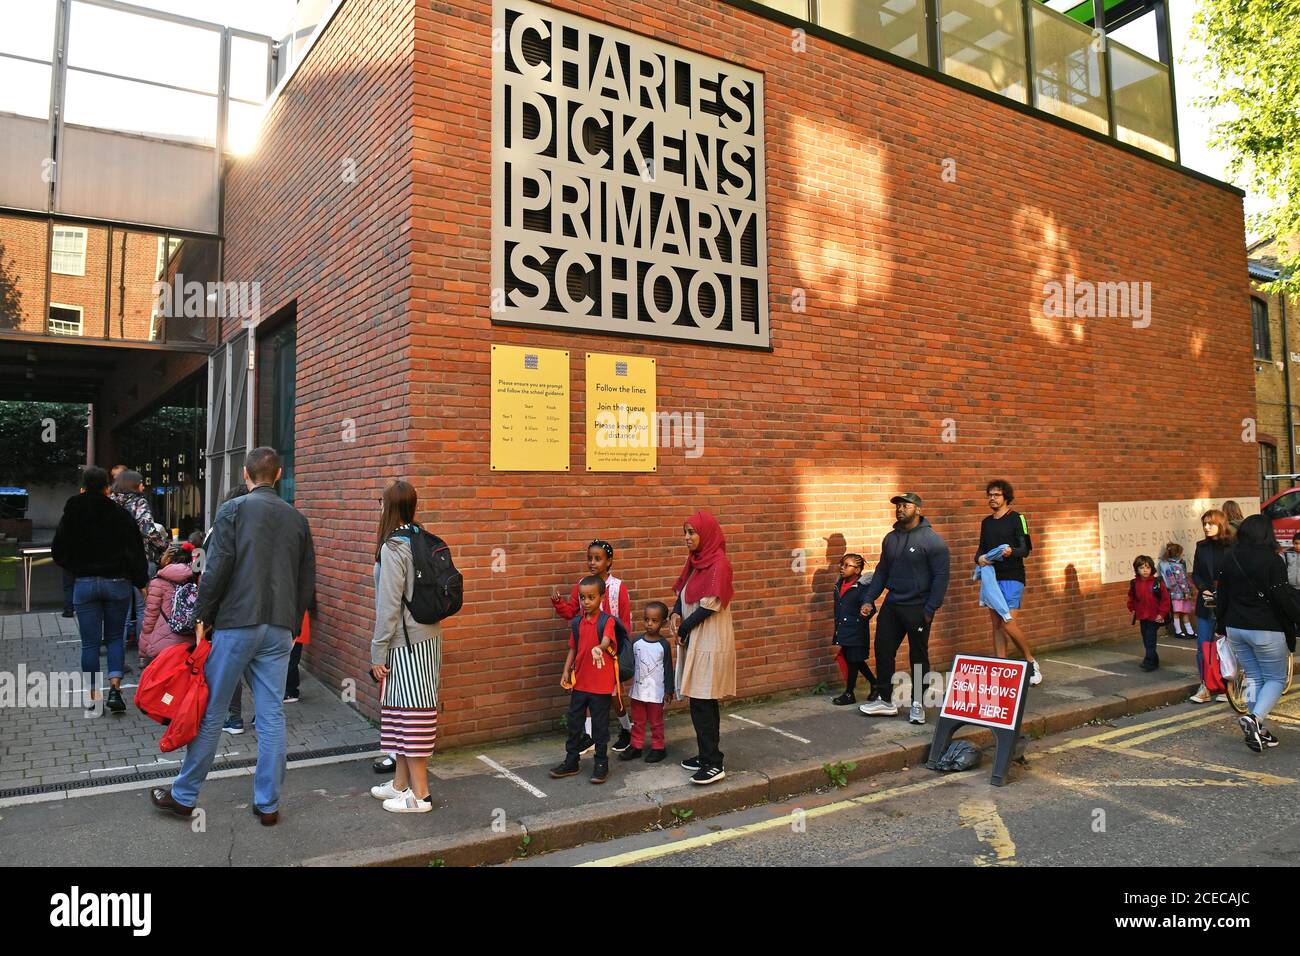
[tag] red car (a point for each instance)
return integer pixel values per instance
(1283, 509)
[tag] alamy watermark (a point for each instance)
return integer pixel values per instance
(620, 428)
(1084, 299)
(202, 300)
(24, 689)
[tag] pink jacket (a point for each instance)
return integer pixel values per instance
(155, 635)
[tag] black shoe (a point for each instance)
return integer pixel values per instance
(600, 772)
(1267, 738)
(161, 797)
(567, 769)
(1251, 730)
(586, 745)
(845, 699)
(624, 741)
(1148, 666)
(708, 775)
(69, 614)
(631, 753)
(385, 765)
(114, 702)
(654, 756)
(693, 763)
(268, 819)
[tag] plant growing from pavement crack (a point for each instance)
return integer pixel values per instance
(436, 861)
(521, 850)
(839, 772)
(820, 689)
(681, 814)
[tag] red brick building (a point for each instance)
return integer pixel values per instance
(911, 225)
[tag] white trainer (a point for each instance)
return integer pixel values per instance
(385, 791)
(878, 708)
(916, 715)
(1036, 677)
(406, 802)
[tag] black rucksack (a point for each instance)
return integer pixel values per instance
(439, 588)
(623, 643)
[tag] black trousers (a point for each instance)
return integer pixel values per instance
(706, 715)
(580, 701)
(291, 675)
(1150, 631)
(894, 624)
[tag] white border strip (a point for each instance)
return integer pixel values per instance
(775, 730)
(512, 777)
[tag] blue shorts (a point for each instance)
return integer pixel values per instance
(1012, 591)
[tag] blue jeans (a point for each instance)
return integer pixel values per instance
(101, 605)
(1204, 639)
(1262, 655)
(261, 655)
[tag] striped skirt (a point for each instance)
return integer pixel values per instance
(408, 722)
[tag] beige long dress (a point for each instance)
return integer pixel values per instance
(707, 671)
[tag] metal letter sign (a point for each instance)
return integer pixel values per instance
(627, 183)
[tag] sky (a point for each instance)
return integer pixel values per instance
(101, 42)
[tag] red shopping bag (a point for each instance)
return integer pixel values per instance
(174, 692)
(1211, 674)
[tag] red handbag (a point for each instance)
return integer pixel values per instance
(174, 691)
(1211, 675)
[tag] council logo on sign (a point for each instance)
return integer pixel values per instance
(628, 183)
(530, 361)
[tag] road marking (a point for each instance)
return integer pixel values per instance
(981, 815)
(1085, 667)
(1123, 731)
(1266, 779)
(512, 777)
(775, 730)
(723, 836)
(1200, 721)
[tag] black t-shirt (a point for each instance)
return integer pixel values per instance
(1010, 529)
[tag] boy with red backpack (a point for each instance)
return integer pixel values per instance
(591, 677)
(1148, 601)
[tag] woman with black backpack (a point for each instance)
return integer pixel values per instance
(406, 657)
(1249, 611)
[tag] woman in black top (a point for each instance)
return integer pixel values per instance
(1207, 566)
(1255, 630)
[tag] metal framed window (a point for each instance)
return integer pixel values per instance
(1259, 327)
(68, 251)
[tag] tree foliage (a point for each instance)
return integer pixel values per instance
(1252, 60)
(28, 456)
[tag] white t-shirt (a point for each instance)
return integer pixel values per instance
(648, 678)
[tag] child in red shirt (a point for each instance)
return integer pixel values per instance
(1148, 601)
(617, 602)
(591, 676)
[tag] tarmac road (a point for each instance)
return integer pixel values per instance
(1148, 790)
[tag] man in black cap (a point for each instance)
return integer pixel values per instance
(914, 567)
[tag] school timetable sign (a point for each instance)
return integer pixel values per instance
(627, 183)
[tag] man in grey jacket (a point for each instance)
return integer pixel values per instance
(258, 579)
(914, 567)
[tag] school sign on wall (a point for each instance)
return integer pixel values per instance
(628, 183)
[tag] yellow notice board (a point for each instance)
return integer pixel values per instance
(530, 409)
(621, 413)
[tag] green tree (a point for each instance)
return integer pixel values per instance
(1252, 61)
(11, 300)
(41, 443)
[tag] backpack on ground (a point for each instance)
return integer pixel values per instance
(626, 657)
(180, 615)
(439, 588)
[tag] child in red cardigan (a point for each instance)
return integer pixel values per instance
(1148, 601)
(618, 602)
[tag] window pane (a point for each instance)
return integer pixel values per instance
(24, 88)
(132, 107)
(276, 374)
(1143, 105)
(1069, 70)
(174, 318)
(248, 67)
(29, 29)
(65, 320)
(243, 123)
(133, 314)
(87, 248)
(983, 42)
(22, 274)
(68, 251)
(897, 26)
(144, 48)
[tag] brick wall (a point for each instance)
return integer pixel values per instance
(1270, 381)
(924, 304)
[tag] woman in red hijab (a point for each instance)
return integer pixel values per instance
(701, 620)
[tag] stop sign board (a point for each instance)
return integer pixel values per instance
(985, 690)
